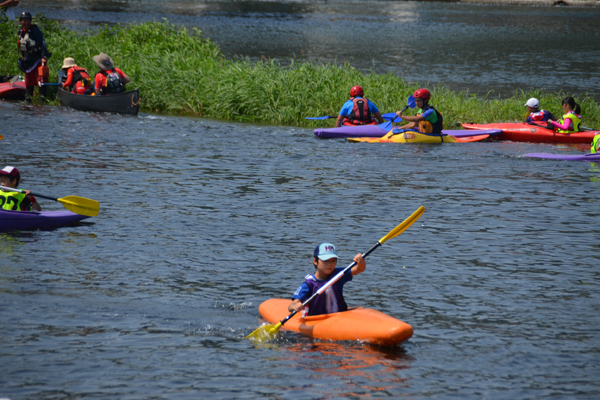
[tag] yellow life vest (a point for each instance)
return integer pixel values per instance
(11, 200)
(595, 144)
(576, 119)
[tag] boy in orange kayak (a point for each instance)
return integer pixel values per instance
(332, 299)
(10, 177)
(535, 114)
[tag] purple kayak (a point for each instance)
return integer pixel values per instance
(28, 220)
(376, 132)
(566, 157)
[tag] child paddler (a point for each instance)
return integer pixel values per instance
(595, 144)
(571, 120)
(10, 177)
(535, 114)
(359, 110)
(332, 299)
(427, 120)
(109, 80)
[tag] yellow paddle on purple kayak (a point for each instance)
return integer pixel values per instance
(269, 332)
(76, 204)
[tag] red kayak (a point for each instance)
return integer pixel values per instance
(524, 132)
(11, 91)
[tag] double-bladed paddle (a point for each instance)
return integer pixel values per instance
(76, 204)
(325, 117)
(268, 332)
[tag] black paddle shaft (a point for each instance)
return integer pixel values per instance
(329, 284)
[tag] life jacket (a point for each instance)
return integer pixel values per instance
(575, 118)
(13, 200)
(541, 115)
(427, 127)
(360, 114)
(81, 80)
(114, 83)
(595, 144)
(27, 44)
(329, 301)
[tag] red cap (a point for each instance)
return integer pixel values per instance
(12, 171)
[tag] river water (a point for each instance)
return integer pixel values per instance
(202, 220)
(465, 47)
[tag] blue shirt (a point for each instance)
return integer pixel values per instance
(347, 107)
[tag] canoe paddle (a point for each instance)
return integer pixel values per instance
(268, 332)
(325, 117)
(76, 204)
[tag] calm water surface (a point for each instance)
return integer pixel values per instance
(202, 220)
(475, 48)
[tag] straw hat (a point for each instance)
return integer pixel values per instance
(68, 62)
(104, 61)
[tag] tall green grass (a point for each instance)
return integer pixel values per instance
(179, 72)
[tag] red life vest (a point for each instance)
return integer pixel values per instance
(81, 80)
(360, 115)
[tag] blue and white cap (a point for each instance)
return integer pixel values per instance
(325, 251)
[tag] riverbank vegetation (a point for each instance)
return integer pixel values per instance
(180, 72)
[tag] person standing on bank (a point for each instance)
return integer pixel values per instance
(32, 47)
(109, 80)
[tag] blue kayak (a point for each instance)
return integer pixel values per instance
(566, 157)
(30, 220)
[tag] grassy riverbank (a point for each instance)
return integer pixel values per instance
(180, 72)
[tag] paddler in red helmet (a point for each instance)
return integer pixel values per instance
(428, 119)
(358, 110)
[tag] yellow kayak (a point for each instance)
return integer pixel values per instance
(416, 137)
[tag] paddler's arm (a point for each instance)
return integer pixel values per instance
(295, 305)
(360, 266)
(339, 120)
(379, 118)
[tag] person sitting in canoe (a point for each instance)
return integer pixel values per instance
(78, 80)
(535, 114)
(358, 110)
(427, 120)
(571, 121)
(109, 80)
(332, 299)
(10, 177)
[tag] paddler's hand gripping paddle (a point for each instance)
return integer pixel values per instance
(268, 332)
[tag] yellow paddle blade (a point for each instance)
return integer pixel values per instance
(81, 205)
(1, 137)
(265, 333)
(404, 225)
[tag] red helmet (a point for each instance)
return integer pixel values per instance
(356, 91)
(422, 94)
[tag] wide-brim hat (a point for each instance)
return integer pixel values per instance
(68, 62)
(104, 61)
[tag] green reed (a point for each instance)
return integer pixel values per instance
(179, 72)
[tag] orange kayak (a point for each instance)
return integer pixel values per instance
(363, 324)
